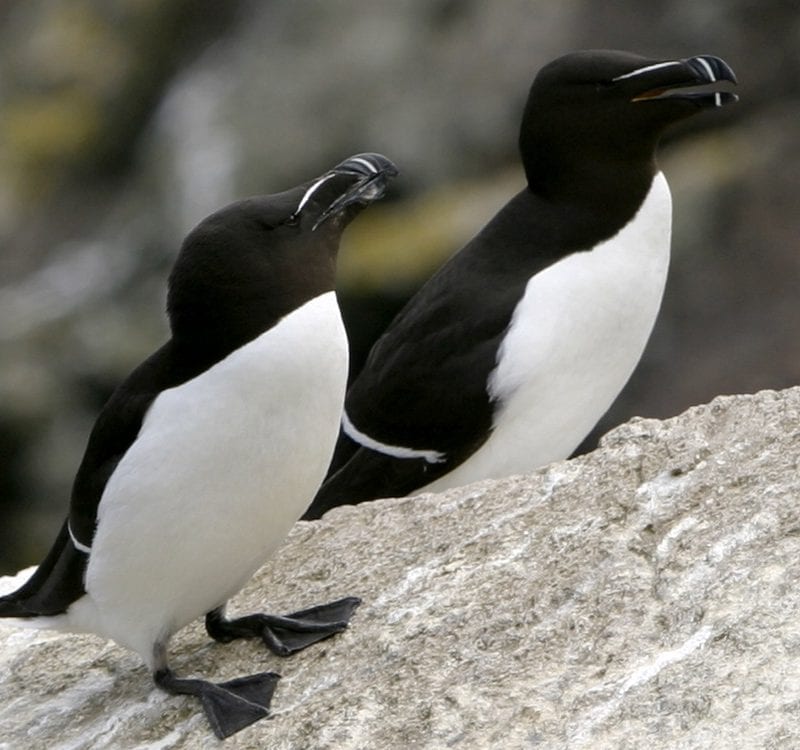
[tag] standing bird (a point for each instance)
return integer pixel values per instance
(204, 458)
(509, 355)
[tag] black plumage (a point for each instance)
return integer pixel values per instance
(241, 279)
(587, 142)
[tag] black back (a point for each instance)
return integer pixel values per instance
(238, 273)
(588, 150)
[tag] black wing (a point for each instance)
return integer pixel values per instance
(424, 385)
(423, 388)
(59, 580)
(369, 475)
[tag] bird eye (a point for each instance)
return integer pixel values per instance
(293, 220)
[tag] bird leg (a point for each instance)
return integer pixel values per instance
(229, 706)
(284, 635)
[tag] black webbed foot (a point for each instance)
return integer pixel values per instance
(229, 706)
(284, 635)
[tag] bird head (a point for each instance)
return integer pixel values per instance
(343, 191)
(250, 263)
(606, 106)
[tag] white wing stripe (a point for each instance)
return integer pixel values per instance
(432, 457)
(75, 543)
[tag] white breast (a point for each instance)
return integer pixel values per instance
(574, 340)
(222, 468)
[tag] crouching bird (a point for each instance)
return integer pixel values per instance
(207, 454)
(511, 353)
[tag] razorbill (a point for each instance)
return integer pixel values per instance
(207, 454)
(509, 355)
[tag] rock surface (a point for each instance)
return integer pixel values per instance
(644, 595)
(118, 132)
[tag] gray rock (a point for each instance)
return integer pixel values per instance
(292, 86)
(644, 595)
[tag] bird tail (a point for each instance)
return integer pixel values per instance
(11, 607)
(55, 584)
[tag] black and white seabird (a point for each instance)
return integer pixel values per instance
(204, 458)
(509, 355)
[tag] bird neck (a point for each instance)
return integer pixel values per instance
(605, 190)
(216, 305)
(587, 164)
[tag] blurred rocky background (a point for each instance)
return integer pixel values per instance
(124, 122)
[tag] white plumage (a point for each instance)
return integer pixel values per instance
(220, 471)
(574, 340)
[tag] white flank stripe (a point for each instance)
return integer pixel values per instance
(432, 457)
(75, 543)
(647, 69)
(310, 192)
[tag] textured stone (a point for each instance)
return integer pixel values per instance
(644, 595)
(436, 85)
